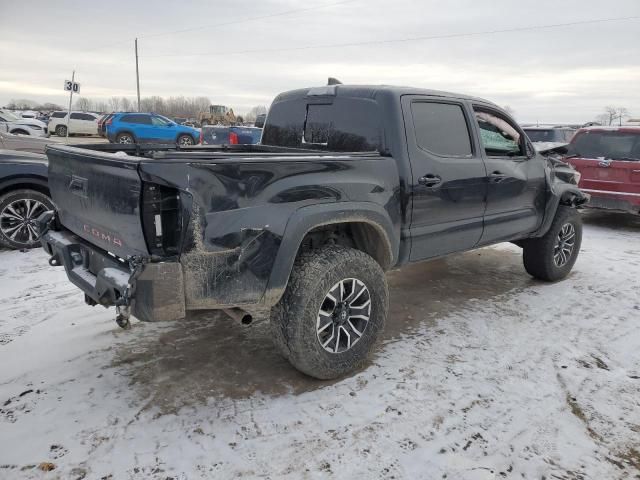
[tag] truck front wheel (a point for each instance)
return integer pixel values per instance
(552, 256)
(332, 311)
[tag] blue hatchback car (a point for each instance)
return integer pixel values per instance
(149, 128)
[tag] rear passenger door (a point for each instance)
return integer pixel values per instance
(139, 125)
(516, 182)
(448, 176)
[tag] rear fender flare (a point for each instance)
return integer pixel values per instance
(308, 218)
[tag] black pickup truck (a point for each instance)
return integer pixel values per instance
(349, 181)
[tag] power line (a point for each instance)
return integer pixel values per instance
(397, 40)
(250, 19)
(224, 24)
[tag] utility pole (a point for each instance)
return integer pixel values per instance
(73, 78)
(137, 75)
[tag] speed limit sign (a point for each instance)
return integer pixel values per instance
(70, 86)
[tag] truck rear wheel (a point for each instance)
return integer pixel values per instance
(552, 256)
(332, 311)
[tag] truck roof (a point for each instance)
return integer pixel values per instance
(372, 91)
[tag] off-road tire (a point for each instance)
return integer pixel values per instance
(16, 196)
(538, 253)
(293, 319)
(61, 131)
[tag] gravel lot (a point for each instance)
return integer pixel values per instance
(482, 373)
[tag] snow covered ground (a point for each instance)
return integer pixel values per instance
(482, 373)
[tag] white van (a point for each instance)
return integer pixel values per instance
(85, 123)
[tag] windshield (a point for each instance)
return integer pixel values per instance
(602, 144)
(549, 135)
(10, 116)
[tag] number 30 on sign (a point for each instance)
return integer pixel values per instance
(69, 86)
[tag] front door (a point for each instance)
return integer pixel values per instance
(163, 130)
(516, 182)
(448, 176)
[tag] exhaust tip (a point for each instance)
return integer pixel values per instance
(239, 315)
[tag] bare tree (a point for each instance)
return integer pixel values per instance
(611, 112)
(126, 104)
(115, 103)
(622, 113)
(84, 104)
(602, 119)
(254, 112)
(21, 104)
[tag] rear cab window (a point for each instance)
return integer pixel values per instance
(500, 137)
(341, 124)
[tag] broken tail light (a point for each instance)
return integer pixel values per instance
(161, 219)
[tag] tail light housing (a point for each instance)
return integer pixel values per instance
(161, 219)
(201, 137)
(233, 138)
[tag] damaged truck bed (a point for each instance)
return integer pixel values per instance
(202, 229)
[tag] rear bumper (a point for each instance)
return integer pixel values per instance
(153, 291)
(620, 201)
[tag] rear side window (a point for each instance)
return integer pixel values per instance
(344, 125)
(159, 121)
(82, 116)
(441, 128)
(139, 119)
(500, 137)
(603, 144)
(59, 115)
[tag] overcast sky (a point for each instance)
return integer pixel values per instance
(565, 74)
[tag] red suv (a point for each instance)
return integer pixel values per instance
(608, 158)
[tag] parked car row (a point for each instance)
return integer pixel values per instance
(22, 126)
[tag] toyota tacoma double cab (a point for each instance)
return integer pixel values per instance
(349, 181)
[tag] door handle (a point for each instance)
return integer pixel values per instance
(429, 180)
(497, 176)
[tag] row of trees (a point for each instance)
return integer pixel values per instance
(185, 107)
(25, 104)
(613, 115)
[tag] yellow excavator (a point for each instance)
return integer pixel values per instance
(217, 115)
